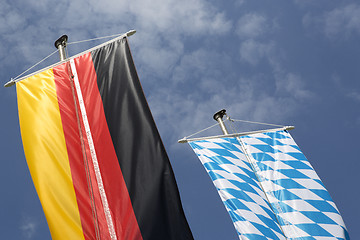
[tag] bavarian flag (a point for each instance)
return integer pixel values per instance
(94, 153)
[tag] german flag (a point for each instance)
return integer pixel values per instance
(94, 153)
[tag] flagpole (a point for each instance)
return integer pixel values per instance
(61, 45)
(218, 117)
(286, 128)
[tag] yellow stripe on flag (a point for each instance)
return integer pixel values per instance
(46, 154)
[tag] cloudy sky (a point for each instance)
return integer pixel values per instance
(290, 62)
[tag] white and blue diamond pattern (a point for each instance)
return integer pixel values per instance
(299, 199)
(271, 184)
(238, 188)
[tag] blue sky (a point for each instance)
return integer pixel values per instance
(287, 62)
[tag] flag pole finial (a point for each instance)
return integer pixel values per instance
(218, 116)
(9, 83)
(130, 33)
(61, 44)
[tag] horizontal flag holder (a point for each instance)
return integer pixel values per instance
(13, 81)
(185, 140)
(218, 116)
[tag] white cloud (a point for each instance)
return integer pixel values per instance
(275, 95)
(184, 17)
(169, 17)
(345, 20)
(310, 3)
(158, 56)
(354, 95)
(10, 18)
(186, 105)
(161, 26)
(252, 51)
(251, 25)
(292, 84)
(342, 22)
(28, 227)
(201, 64)
(254, 31)
(344, 89)
(239, 2)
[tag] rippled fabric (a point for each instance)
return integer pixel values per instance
(46, 154)
(269, 188)
(94, 152)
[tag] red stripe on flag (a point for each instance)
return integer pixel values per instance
(87, 197)
(121, 209)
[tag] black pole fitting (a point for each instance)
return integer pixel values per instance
(219, 114)
(61, 41)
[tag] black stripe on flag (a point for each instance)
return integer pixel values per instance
(142, 157)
